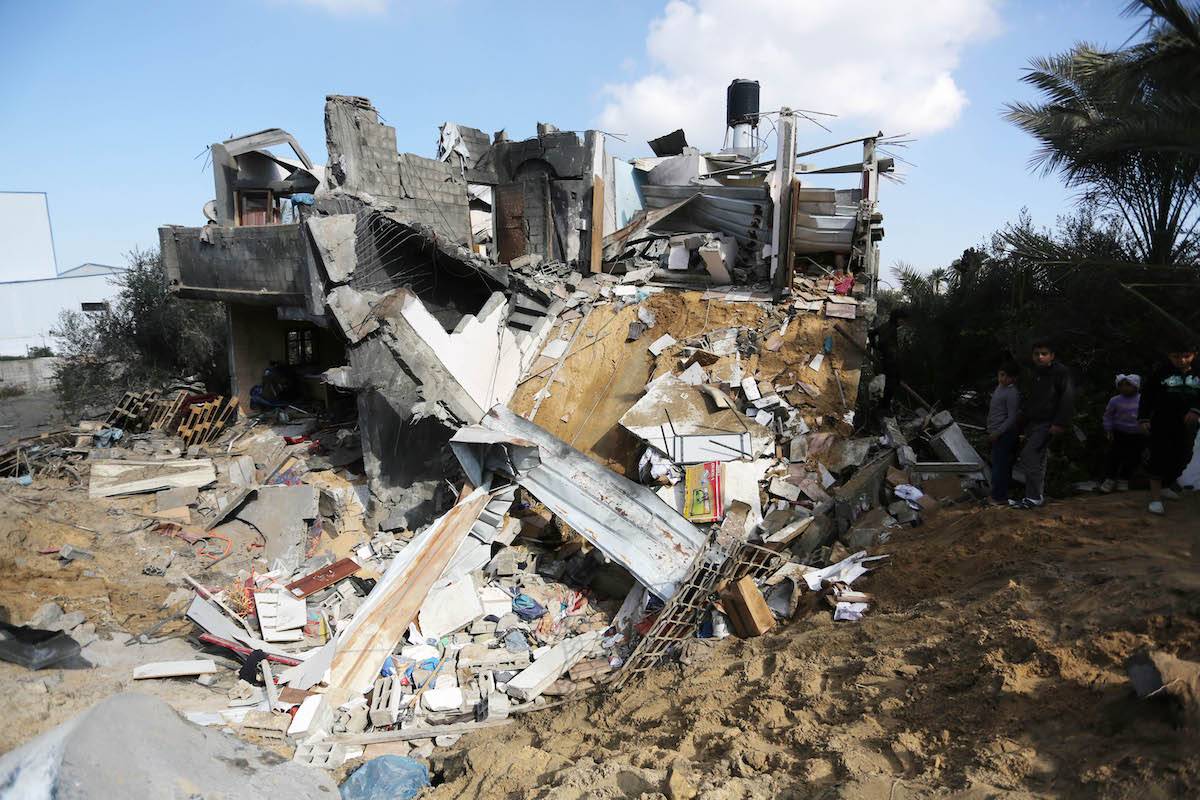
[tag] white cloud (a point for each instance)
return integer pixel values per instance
(879, 64)
(343, 8)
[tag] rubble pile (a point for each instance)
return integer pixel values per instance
(437, 560)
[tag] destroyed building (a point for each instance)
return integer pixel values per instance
(427, 286)
(503, 422)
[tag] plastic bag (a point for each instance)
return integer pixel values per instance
(386, 778)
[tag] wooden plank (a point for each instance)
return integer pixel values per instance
(945, 466)
(597, 227)
(174, 669)
(326, 576)
(396, 599)
(110, 478)
(418, 732)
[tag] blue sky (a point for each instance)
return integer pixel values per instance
(108, 107)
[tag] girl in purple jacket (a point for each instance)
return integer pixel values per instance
(1126, 439)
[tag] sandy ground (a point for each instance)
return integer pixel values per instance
(992, 667)
(109, 589)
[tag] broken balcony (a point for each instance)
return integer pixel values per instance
(256, 265)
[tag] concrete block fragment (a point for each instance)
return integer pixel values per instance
(70, 552)
(314, 716)
(47, 614)
(781, 488)
(385, 702)
(266, 725)
(321, 755)
(534, 679)
(84, 634)
(446, 699)
(498, 706)
(67, 621)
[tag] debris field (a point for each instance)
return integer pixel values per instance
(544, 473)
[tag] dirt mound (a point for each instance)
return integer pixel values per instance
(992, 665)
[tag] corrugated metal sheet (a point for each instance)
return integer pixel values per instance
(740, 212)
(660, 196)
(628, 522)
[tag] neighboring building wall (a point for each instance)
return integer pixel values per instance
(28, 252)
(30, 374)
(29, 309)
(257, 337)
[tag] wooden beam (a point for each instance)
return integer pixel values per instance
(945, 466)
(397, 598)
(597, 231)
(419, 732)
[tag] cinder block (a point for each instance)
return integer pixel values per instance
(322, 755)
(385, 702)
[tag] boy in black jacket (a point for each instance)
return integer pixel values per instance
(1049, 404)
(1169, 412)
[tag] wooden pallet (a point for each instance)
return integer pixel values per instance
(132, 411)
(204, 422)
(164, 416)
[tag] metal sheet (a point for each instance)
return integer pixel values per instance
(628, 522)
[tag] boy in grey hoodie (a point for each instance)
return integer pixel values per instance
(1003, 430)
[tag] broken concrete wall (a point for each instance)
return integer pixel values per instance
(362, 150)
(543, 202)
(363, 161)
(434, 193)
(564, 153)
(478, 164)
(404, 459)
(466, 371)
(374, 252)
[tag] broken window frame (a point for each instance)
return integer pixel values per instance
(271, 211)
(304, 344)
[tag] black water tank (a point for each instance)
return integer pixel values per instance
(741, 102)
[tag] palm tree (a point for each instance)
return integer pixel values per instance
(939, 278)
(1121, 125)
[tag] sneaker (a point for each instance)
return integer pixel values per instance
(1108, 485)
(1156, 507)
(1122, 486)
(1026, 503)
(1169, 493)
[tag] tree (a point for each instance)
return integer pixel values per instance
(1112, 124)
(1163, 70)
(146, 337)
